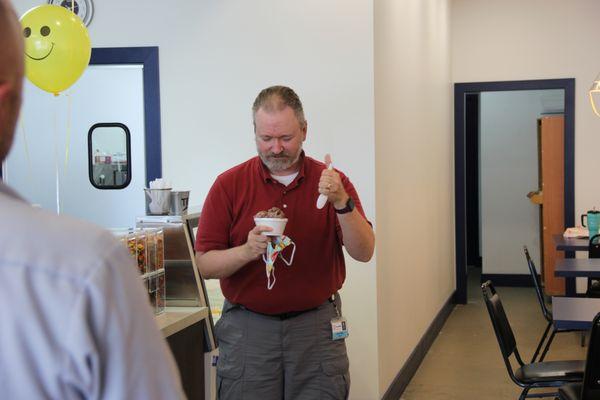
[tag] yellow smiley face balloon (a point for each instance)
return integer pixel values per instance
(57, 47)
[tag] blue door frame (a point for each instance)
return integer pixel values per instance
(148, 57)
(460, 212)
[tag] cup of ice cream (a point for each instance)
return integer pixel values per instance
(274, 218)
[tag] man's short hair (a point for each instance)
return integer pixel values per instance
(10, 32)
(6, 13)
(276, 98)
(4, 8)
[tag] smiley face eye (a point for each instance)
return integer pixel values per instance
(27, 32)
(45, 31)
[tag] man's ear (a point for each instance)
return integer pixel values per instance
(4, 91)
(304, 130)
(5, 103)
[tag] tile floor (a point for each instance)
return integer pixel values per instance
(464, 362)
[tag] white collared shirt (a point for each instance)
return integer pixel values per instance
(75, 321)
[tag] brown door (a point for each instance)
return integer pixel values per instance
(552, 179)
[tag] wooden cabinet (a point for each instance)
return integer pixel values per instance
(552, 178)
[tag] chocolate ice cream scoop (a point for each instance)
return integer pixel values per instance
(274, 218)
(273, 212)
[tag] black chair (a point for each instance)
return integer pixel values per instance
(593, 287)
(545, 311)
(549, 374)
(589, 389)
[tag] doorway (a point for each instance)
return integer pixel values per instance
(55, 163)
(468, 206)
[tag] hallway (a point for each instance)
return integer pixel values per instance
(465, 363)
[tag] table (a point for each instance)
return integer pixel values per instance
(578, 268)
(570, 244)
(574, 312)
(571, 268)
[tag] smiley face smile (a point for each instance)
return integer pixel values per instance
(41, 58)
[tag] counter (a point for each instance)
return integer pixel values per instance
(183, 328)
(175, 319)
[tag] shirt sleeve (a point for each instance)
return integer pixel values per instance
(214, 225)
(351, 190)
(115, 348)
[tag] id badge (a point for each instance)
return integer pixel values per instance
(339, 330)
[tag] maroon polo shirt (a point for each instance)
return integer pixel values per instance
(318, 269)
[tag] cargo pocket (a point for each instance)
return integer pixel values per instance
(229, 382)
(228, 369)
(230, 365)
(335, 381)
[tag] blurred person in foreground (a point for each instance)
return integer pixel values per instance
(283, 338)
(75, 322)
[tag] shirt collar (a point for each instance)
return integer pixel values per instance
(265, 174)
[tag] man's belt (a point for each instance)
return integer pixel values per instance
(282, 316)
(286, 315)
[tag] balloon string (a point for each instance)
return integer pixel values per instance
(56, 164)
(68, 141)
(73, 6)
(27, 154)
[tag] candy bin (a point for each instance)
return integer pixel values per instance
(155, 282)
(120, 234)
(155, 248)
(146, 247)
(161, 292)
(132, 244)
(159, 237)
(150, 250)
(140, 250)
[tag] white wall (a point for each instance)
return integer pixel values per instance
(536, 39)
(509, 170)
(214, 58)
(414, 164)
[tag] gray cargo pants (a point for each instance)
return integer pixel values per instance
(276, 358)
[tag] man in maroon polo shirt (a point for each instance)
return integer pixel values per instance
(286, 342)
